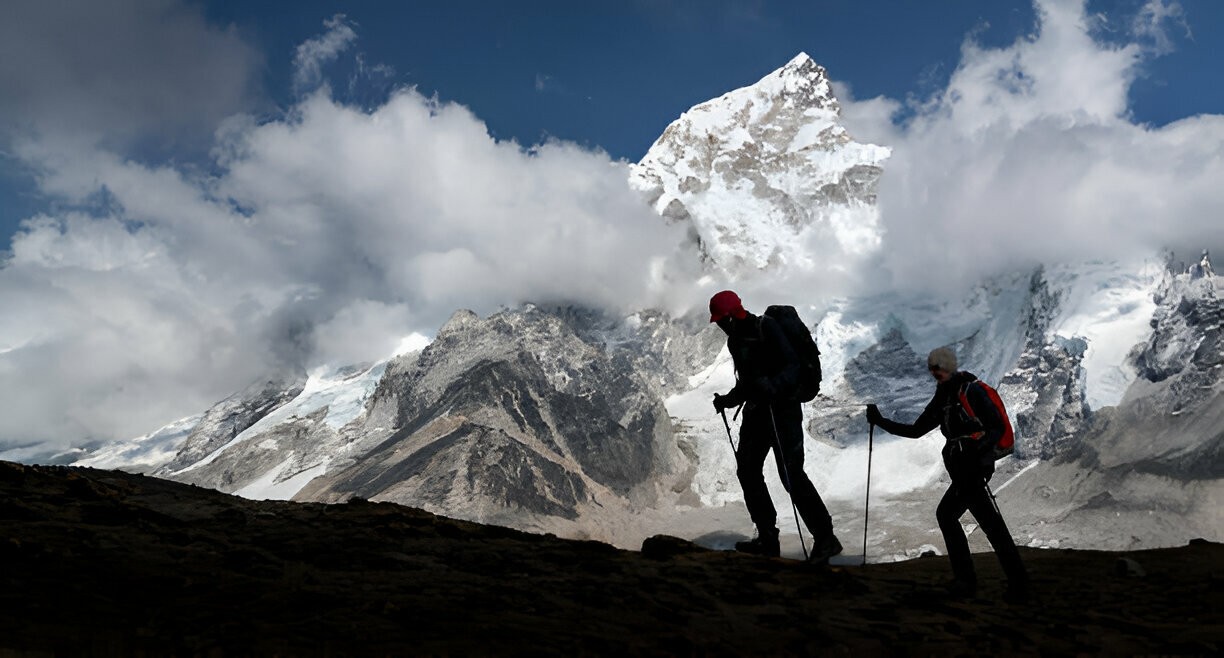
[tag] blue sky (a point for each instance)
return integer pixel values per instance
(195, 194)
(612, 75)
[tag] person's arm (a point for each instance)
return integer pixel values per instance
(927, 421)
(734, 397)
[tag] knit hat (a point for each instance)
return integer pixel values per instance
(726, 303)
(942, 358)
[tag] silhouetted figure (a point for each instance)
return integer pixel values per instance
(767, 374)
(970, 463)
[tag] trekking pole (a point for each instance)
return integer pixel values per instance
(789, 490)
(867, 498)
(728, 426)
(992, 499)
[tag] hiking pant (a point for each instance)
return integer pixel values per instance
(757, 438)
(968, 493)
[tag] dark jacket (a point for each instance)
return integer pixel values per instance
(945, 412)
(766, 367)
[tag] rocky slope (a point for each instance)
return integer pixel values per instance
(106, 563)
(233, 415)
(511, 418)
(1153, 467)
(531, 418)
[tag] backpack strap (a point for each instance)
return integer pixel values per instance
(963, 394)
(1007, 439)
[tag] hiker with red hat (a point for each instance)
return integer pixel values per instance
(767, 379)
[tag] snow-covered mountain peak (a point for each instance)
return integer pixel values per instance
(765, 172)
(803, 82)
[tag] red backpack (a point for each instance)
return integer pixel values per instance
(1008, 440)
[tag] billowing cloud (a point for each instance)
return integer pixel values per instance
(1030, 155)
(328, 235)
(324, 237)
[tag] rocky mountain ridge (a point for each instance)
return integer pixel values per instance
(515, 416)
(530, 418)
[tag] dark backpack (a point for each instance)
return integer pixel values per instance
(1007, 442)
(804, 345)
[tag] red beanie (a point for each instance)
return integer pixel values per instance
(726, 303)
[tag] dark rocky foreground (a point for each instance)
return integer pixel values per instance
(108, 563)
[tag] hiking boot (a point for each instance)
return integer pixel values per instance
(824, 550)
(765, 543)
(961, 589)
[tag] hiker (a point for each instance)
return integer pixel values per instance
(968, 455)
(767, 377)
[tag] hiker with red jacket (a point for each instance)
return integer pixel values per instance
(974, 425)
(767, 379)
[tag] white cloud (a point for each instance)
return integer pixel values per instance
(1030, 155)
(1154, 21)
(327, 237)
(312, 54)
(331, 234)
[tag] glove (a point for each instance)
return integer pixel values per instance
(722, 402)
(873, 414)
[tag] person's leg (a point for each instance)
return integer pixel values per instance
(754, 445)
(951, 508)
(996, 531)
(788, 422)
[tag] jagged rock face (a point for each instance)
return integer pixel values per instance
(1041, 384)
(1186, 338)
(1045, 389)
(762, 170)
(528, 415)
(282, 451)
(230, 417)
(298, 438)
(1151, 470)
(508, 418)
(1048, 382)
(1171, 421)
(891, 372)
(668, 350)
